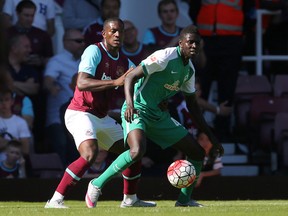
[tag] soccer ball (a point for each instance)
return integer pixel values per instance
(181, 173)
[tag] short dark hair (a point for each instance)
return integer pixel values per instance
(165, 2)
(25, 4)
(191, 29)
(113, 19)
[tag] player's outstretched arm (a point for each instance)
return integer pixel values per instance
(200, 122)
(130, 80)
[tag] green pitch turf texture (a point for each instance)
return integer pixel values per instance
(164, 208)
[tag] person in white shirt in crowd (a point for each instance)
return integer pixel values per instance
(12, 126)
(57, 76)
(44, 16)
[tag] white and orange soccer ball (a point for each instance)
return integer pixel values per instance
(181, 173)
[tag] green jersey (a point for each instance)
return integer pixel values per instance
(165, 75)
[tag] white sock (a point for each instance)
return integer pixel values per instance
(57, 196)
(130, 198)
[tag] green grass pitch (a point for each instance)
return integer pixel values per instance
(164, 208)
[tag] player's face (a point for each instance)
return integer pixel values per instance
(190, 45)
(113, 34)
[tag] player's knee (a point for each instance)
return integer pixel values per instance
(137, 154)
(89, 153)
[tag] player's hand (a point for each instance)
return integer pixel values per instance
(120, 81)
(129, 113)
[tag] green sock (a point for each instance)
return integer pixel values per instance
(121, 163)
(185, 193)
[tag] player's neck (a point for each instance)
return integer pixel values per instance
(113, 51)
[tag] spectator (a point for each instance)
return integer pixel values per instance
(184, 116)
(12, 126)
(58, 74)
(41, 44)
(79, 14)
(165, 35)
(44, 16)
(41, 51)
(132, 48)
(109, 9)
(221, 27)
(14, 164)
(24, 77)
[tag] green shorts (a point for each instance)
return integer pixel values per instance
(164, 132)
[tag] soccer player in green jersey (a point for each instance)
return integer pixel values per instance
(157, 78)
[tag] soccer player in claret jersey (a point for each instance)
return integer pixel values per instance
(100, 78)
(157, 78)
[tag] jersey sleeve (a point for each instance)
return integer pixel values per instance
(90, 60)
(155, 62)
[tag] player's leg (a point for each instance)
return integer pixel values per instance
(86, 144)
(137, 143)
(170, 133)
(195, 154)
(131, 177)
(124, 160)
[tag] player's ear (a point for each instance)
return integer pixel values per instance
(103, 33)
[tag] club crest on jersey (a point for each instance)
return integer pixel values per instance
(119, 71)
(173, 87)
